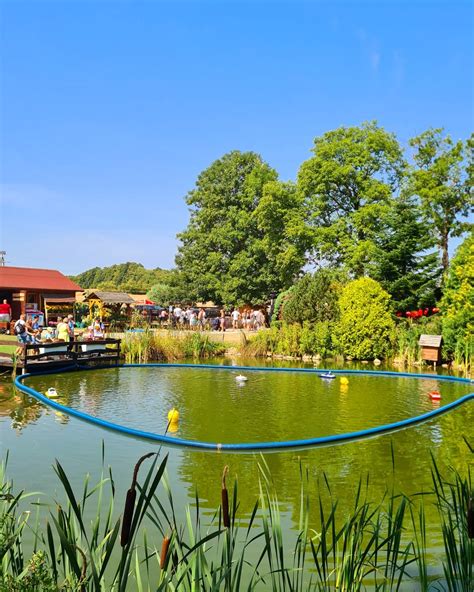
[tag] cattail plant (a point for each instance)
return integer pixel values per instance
(225, 499)
(130, 502)
(164, 551)
(470, 518)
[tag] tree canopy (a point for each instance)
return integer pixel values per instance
(443, 181)
(405, 263)
(348, 186)
(242, 241)
(314, 298)
(126, 277)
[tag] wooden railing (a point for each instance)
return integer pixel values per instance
(74, 353)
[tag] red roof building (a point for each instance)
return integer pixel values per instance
(29, 288)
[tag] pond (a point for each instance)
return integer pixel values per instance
(214, 407)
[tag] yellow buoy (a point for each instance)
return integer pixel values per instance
(173, 415)
(344, 380)
(173, 427)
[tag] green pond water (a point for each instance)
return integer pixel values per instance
(215, 408)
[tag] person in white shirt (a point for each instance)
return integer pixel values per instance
(235, 318)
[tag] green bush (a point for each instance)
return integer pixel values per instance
(317, 339)
(457, 304)
(313, 298)
(366, 327)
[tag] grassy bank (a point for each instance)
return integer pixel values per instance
(318, 341)
(151, 346)
(372, 547)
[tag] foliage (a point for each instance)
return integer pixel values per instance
(316, 339)
(292, 340)
(407, 336)
(149, 346)
(313, 298)
(382, 544)
(365, 328)
(445, 190)
(125, 277)
(404, 264)
(242, 240)
(457, 304)
(348, 186)
(163, 294)
(279, 304)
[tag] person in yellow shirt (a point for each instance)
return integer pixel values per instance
(62, 330)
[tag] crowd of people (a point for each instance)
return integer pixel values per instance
(198, 318)
(28, 331)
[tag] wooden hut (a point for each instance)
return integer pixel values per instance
(430, 347)
(108, 300)
(29, 289)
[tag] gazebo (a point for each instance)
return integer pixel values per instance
(103, 300)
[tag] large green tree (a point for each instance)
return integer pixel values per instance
(405, 263)
(443, 180)
(244, 237)
(348, 186)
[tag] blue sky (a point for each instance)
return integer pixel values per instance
(110, 109)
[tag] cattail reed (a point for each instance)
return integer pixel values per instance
(164, 551)
(130, 503)
(470, 518)
(225, 499)
(82, 579)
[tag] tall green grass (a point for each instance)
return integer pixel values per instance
(150, 346)
(376, 546)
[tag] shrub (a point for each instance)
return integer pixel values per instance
(313, 298)
(365, 328)
(457, 304)
(317, 339)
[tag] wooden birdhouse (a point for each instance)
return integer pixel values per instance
(430, 347)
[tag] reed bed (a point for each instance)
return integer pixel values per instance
(149, 346)
(377, 546)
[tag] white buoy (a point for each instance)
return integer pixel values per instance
(52, 392)
(241, 378)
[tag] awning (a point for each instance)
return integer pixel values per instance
(65, 300)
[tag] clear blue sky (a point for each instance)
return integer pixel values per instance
(110, 109)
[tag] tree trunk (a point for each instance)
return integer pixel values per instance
(445, 254)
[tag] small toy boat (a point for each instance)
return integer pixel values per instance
(241, 378)
(327, 375)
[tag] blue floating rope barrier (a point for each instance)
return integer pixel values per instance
(254, 446)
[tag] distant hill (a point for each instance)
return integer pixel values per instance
(125, 277)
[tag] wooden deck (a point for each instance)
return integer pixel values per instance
(56, 356)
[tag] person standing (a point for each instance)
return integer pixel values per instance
(5, 312)
(235, 318)
(222, 320)
(202, 318)
(70, 325)
(62, 330)
(21, 332)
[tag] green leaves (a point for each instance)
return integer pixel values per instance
(245, 237)
(443, 184)
(366, 326)
(348, 186)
